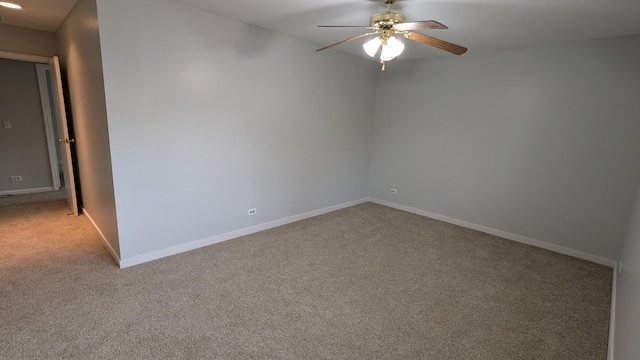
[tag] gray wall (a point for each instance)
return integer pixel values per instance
(81, 61)
(27, 41)
(23, 147)
(627, 329)
(541, 142)
(209, 117)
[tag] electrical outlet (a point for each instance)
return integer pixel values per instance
(253, 211)
(393, 191)
(16, 178)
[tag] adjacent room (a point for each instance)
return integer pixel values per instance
(252, 185)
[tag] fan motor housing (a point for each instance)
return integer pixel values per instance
(387, 18)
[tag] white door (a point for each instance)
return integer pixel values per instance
(63, 131)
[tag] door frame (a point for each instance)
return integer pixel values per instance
(25, 57)
(44, 60)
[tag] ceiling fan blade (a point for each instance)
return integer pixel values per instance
(440, 44)
(344, 41)
(347, 26)
(420, 25)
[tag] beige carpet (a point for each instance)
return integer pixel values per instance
(8, 200)
(367, 282)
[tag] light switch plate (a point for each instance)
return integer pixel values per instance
(6, 124)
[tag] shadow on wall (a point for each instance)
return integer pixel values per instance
(72, 135)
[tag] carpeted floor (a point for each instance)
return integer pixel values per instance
(8, 200)
(367, 282)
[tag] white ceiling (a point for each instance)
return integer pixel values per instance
(44, 15)
(480, 25)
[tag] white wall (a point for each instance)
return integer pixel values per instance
(627, 321)
(209, 117)
(23, 147)
(541, 143)
(81, 61)
(27, 41)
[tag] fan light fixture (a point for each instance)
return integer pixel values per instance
(391, 48)
(10, 5)
(385, 25)
(371, 47)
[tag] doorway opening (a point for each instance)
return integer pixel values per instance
(35, 136)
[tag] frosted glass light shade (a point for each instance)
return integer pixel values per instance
(371, 47)
(10, 5)
(391, 49)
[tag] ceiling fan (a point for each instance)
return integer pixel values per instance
(387, 24)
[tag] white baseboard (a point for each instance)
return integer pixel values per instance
(115, 255)
(503, 234)
(139, 259)
(612, 319)
(26, 191)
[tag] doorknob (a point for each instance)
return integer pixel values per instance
(66, 141)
